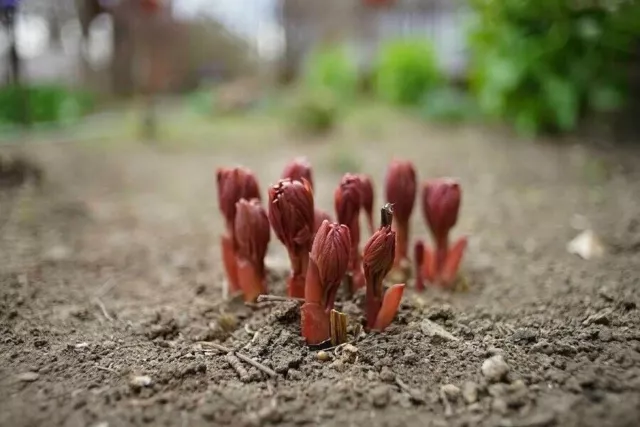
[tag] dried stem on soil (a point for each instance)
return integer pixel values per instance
(102, 308)
(279, 298)
(270, 372)
(338, 323)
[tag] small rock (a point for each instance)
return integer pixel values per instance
(524, 335)
(475, 407)
(349, 353)
(81, 346)
(443, 312)
(28, 377)
(380, 396)
(433, 330)
(470, 392)
(450, 391)
(499, 406)
(605, 335)
(109, 345)
(540, 420)
(492, 351)
(140, 381)
(586, 245)
(323, 356)
(603, 317)
(518, 394)
(497, 390)
(294, 374)
(338, 365)
(544, 347)
(57, 253)
(495, 368)
(387, 375)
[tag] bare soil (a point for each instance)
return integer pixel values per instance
(111, 291)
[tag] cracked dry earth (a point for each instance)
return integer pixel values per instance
(110, 295)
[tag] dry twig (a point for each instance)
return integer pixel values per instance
(102, 307)
(270, 372)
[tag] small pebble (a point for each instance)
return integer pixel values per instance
(323, 356)
(470, 392)
(387, 375)
(380, 396)
(450, 391)
(495, 368)
(28, 377)
(294, 374)
(141, 381)
(499, 406)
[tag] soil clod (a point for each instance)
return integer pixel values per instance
(495, 368)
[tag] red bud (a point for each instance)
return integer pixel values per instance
(379, 253)
(328, 263)
(377, 258)
(252, 232)
(366, 198)
(400, 189)
(320, 217)
(291, 213)
(440, 204)
(297, 169)
(330, 252)
(348, 199)
(235, 184)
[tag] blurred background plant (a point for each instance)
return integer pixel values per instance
(406, 71)
(544, 65)
(48, 104)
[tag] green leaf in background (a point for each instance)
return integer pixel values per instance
(562, 98)
(331, 69)
(47, 104)
(605, 98)
(406, 70)
(543, 65)
(448, 104)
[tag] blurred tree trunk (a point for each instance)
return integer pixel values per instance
(290, 15)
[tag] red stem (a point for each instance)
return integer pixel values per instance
(314, 319)
(373, 305)
(229, 262)
(418, 259)
(296, 281)
(251, 281)
(442, 251)
(355, 262)
(402, 241)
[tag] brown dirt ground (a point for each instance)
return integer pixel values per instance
(110, 271)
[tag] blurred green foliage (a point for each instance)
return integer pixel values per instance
(448, 104)
(543, 65)
(46, 104)
(329, 81)
(315, 112)
(406, 71)
(330, 69)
